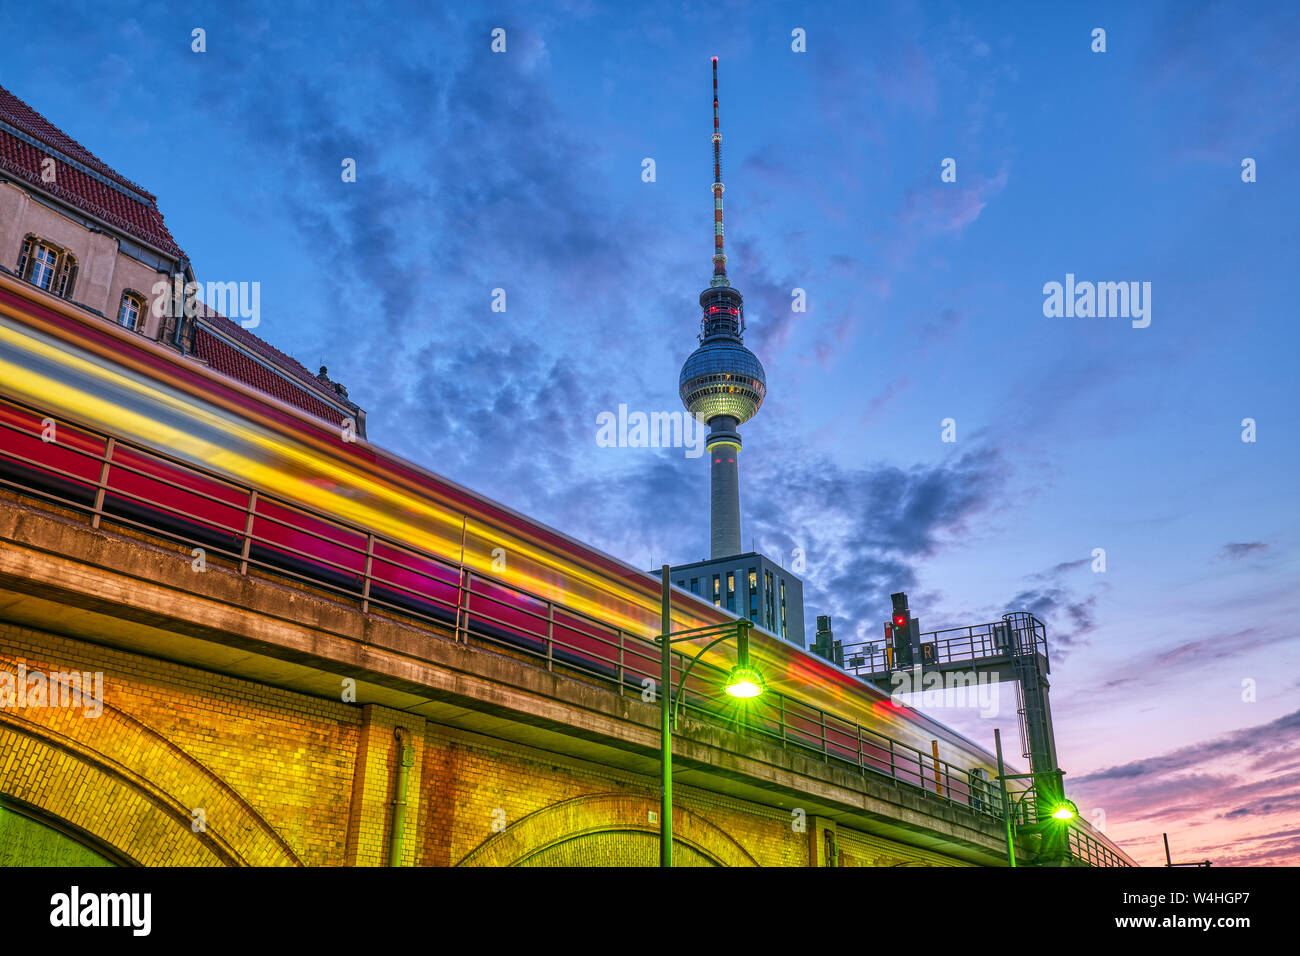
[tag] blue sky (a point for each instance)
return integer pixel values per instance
(522, 171)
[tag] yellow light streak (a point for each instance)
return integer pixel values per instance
(256, 456)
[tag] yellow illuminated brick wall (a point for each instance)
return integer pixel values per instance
(470, 788)
(862, 849)
(288, 778)
(287, 755)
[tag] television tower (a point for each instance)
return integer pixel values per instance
(722, 382)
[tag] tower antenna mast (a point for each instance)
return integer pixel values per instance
(719, 257)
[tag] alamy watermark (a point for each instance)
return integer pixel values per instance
(234, 300)
(23, 688)
(950, 689)
(1104, 300)
(651, 430)
(126, 910)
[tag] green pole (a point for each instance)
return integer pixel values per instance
(666, 753)
(1006, 806)
(406, 760)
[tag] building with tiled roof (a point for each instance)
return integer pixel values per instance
(81, 231)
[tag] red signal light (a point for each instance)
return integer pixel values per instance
(900, 620)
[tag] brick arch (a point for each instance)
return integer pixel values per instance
(603, 813)
(130, 789)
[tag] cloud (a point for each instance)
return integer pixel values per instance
(1284, 732)
(1230, 791)
(863, 530)
(934, 210)
(1069, 618)
(1219, 646)
(1241, 550)
(1272, 848)
(1247, 93)
(1056, 570)
(941, 327)
(1245, 771)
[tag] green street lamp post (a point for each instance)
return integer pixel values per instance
(744, 682)
(1002, 782)
(1061, 812)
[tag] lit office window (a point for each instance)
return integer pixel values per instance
(768, 602)
(783, 607)
(731, 590)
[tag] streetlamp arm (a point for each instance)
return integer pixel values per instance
(681, 682)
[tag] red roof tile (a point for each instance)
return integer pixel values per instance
(232, 329)
(238, 365)
(138, 217)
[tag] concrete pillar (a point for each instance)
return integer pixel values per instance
(370, 818)
(823, 842)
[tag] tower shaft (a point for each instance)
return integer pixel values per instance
(723, 445)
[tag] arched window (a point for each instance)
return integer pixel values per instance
(129, 312)
(47, 266)
(67, 276)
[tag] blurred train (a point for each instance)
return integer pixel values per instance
(98, 418)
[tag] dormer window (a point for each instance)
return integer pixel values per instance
(129, 312)
(48, 267)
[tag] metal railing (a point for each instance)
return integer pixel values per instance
(1012, 635)
(156, 493)
(1092, 852)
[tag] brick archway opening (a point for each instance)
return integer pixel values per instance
(608, 829)
(125, 788)
(29, 837)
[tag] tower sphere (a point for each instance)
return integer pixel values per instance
(722, 377)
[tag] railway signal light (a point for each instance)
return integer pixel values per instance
(825, 645)
(900, 628)
(899, 601)
(902, 646)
